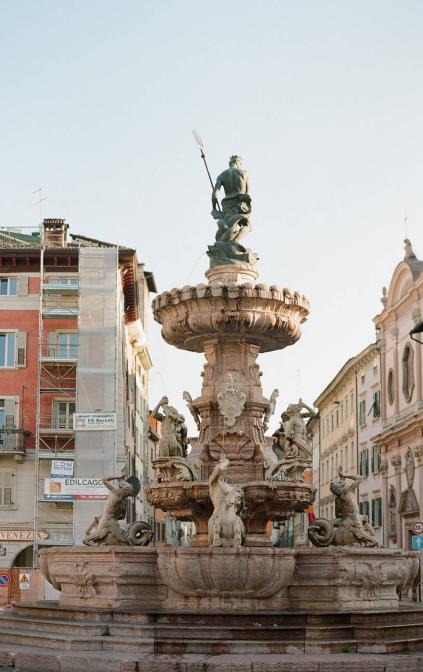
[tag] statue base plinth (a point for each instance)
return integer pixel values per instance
(232, 275)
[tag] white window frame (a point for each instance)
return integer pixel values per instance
(8, 279)
(14, 333)
(56, 424)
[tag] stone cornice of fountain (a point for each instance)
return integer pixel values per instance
(269, 317)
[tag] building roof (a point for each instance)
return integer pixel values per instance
(350, 365)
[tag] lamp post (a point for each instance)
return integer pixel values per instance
(417, 330)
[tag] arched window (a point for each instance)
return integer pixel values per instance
(408, 372)
(391, 387)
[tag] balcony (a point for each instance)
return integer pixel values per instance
(60, 312)
(13, 442)
(56, 424)
(68, 289)
(59, 354)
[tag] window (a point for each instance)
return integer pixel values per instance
(376, 404)
(7, 487)
(8, 286)
(352, 402)
(342, 413)
(7, 349)
(337, 418)
(408, 372)
(363, 379)
(364, 508)
(364, 462)
(391, 389)
(59, 280)
(375, 370)
(352, 454)
(362, 412)
(67, 345)
(63, 414)
(331, 421)
(377, 512)
(375, 459)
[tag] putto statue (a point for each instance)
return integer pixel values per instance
(195, 414)
(174, 439)
(225, 526)
(295, 430)
(105, 529)
(349, 528)
(233, 217)
(270, 409)
(291, 445)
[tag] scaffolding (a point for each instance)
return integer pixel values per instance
(56, 394)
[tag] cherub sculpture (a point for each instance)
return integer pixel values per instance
(270, 409)
(105, 529)
(173, 441)
(195, 414)
(349, 528)
(295, 430)
(225, 526)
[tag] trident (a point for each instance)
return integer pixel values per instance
(200, 145)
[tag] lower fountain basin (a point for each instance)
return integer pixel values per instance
(224, 578)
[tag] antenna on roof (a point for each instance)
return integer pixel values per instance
(406, 225)
(40, 201)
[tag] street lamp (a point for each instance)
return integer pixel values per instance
(417, 330)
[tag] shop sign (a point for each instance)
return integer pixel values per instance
(94, 421)
(72, 489)
(16, 535)
(61, 468)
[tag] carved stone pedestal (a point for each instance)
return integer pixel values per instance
(107, 577)
(351, 578)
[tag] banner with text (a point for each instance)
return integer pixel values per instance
(74, 488)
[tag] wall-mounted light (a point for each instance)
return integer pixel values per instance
(417, 330)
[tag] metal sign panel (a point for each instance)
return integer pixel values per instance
(4, 580)
(417, 527)
(94, 421)
(61, 468)
(72, 489)
(417, 542)
(24, 582)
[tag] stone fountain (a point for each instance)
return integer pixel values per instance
(230, 592)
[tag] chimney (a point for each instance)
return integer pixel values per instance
(55, 231)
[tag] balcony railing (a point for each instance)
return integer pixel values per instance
(13, 441)
(56, 423)
(60, 352)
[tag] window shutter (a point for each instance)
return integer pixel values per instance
(51, 343)
(10, 412)
(8, 488)
(21, 348)
(22, 285)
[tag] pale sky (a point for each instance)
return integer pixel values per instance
(323, 100)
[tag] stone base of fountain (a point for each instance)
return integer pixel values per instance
(251, 579)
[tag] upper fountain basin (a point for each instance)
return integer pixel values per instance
(269, 317)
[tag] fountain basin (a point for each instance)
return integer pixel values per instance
(264, 501)
(268, 317)
(226, 578)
